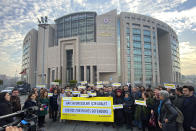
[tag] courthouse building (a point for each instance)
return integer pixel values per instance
(84, 46)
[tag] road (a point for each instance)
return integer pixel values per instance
(75, 125)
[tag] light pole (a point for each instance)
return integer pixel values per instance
(43, 24)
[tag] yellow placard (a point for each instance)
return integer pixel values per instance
(50, 94)
(40, 86)
(172, 86)
(139, 102)
(83, 82)
(75, 92)
(116, 84)
(67, 90)
(99, 86)
(119, 106)
(81, 87)
(90, 85)
(93, 94)
(98, 109)
(99, 82)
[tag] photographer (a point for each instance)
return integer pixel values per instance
(15, 101)
(5, 108)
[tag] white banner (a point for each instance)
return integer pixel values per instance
(92, 111)
(88, 103)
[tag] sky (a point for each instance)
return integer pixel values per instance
(18, 17)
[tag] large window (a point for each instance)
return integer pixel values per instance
(69, 54)
(79, 24)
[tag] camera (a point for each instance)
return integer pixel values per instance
(26, 119)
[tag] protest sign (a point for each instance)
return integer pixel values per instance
(81, 87)
(116, 84)
(83, 82)
(75, 92)
(40, 86)
(99, 82)
(90, 85)
(68, 90)
(119, 106)
(98, 109)
(99, 86)
(172, 86)
(50, 94)
(139, 102)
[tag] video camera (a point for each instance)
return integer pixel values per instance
(26, 119)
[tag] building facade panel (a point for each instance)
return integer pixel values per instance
(125, 47)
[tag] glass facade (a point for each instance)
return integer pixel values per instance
(148, 55)
(78, 24)
(155, 57)
(175, 59)
(118, 50)
(128, 54)
(26, 56)
(137, 55)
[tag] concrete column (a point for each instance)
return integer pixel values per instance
(98, 75)
(84, 73)
(91, 74)
(77, 73)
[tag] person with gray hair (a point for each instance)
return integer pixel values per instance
(167, 113)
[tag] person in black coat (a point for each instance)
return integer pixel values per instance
(5, 108)
(167, 113)
(31, 101)
(128, 109)
(118, 113)
(188, 109)
(54, 104)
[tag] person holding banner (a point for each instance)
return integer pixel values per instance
(142, 112)
(118, 113)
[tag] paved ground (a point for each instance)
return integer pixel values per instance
(80, 126)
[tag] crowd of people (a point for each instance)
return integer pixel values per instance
(166, 109)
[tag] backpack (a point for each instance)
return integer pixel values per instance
(180, 117)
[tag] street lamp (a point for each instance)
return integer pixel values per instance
(43, 23)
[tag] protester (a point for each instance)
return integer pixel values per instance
(31, 101)
(179, 98)
(5, 108)
(167, 113)
(54, 104)
(44, 101)
(128, 109)
(118, 113)
(188, 109)
(15, 100)
(142, 113)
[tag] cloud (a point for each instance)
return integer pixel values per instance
(179, 20)
(188, 58)
(18, 17)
